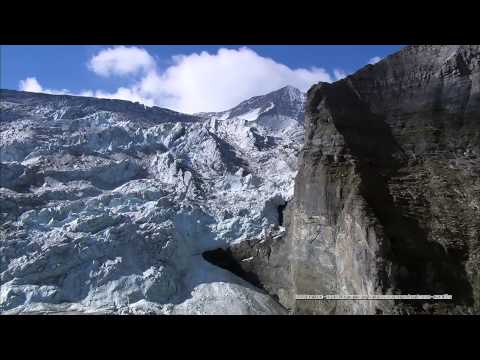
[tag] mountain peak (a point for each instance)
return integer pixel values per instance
(291, 93)
(284, 102)
(289, 88)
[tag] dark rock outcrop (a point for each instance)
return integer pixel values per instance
(264, 264)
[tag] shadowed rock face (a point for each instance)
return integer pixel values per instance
(388, 192)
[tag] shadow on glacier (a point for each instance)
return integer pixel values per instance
(199, 239)
(228, 153)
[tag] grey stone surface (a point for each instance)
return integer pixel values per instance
(388, 190)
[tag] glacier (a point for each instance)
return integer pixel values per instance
(107, 206)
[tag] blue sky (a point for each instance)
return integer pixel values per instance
(208, 81)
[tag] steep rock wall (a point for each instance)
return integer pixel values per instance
(388, 192)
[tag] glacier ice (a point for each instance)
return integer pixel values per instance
(106, 208)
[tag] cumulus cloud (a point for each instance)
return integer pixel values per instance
(374, 60)
(121, 60)
(215, 82)
(199, 81)
(339, 74)
(30, 84)
(88, 93)
(123, 93)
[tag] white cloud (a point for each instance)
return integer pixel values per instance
(30, 84)
(88, 93)
(374, 60)
(199, 81)
(124, 94)
(57, 92)
(339, 74)
(213, 82)
(121, 60)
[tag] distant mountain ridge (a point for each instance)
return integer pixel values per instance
(286, 102)
(82, 106)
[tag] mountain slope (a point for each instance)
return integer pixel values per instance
(277, 110)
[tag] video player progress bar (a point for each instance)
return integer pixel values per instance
(374, 297)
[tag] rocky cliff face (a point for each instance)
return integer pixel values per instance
(387, 198)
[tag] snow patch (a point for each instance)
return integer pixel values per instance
(252, 115)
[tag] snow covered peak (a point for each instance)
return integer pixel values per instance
(277, 110)
(292, 92)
